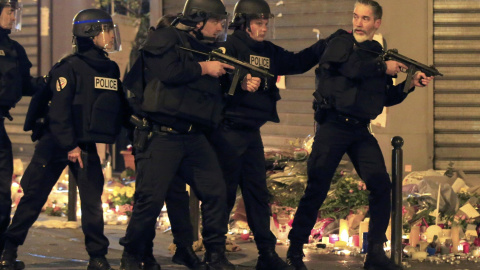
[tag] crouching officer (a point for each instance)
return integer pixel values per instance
(86, 108)
(182, 97)
(15, 82)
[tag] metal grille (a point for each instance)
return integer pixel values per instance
(457, 94)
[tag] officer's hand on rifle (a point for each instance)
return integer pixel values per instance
(75, 155)
(420, 80)
(214, 68)
(394, 67)
(250, 83)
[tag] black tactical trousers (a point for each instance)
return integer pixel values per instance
(6, 171)
(42, 173)
(165, 155)
(242, 159)
(333, 139)
(178, 207)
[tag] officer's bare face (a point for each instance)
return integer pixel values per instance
(364, 23)
(7, 17)
(213, 27)
(258, 29)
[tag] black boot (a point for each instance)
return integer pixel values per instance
(377, 260)
(98, 263)
(295, 256)
(8, 260)
(130, 261)
(149, 263)
(216, 259)
(186, 256)
(268, 259)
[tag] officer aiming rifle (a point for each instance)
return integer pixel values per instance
(240, 67)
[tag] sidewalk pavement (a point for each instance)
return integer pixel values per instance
(63, 249)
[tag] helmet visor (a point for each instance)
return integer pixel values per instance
(215, 28)
(11, 16)
(109, 38)
(222, 36)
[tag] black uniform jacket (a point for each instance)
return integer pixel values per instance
(254, 109)
(15, 79)
(351, 77)
(88, 103)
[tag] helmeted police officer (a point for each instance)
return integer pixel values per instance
(190, 100)
(15, 82)
(353, 86)
(237, 141)
(87, 107)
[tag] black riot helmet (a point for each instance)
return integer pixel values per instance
(16, 25)
(196, 11)
(12, 3)
(246, 10)
(89, 23)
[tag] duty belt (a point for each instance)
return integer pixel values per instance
(347, 119)
(164, 129)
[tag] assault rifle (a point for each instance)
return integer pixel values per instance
(413, 66)
(218, 55)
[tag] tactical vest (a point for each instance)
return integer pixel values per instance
(360, 97)
(97, 105)
(199, 102)
(10, 77)
(253, 109)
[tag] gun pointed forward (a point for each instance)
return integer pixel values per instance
(413, 66)
(218, 55)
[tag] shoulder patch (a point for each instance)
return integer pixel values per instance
(61, 83)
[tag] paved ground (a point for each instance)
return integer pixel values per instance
(63, 249)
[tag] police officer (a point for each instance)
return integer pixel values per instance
(238, 141)
(182, 96)
(86, 108)
(354, 84)
(15, 82)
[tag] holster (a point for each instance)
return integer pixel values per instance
(140, 138)
(39, 129)
(141, 132)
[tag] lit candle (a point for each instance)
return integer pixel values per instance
(363, 228)
(245, 235)
(343, 230)
(333, 238)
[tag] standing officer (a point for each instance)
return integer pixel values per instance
(86, 108)
(353, 86)
(238, 141)
(182, 97)
(15, 82)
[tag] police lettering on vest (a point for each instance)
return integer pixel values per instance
(106, 83)
(259, 61)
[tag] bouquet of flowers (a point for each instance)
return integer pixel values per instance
(348, 193)
(122, 199)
